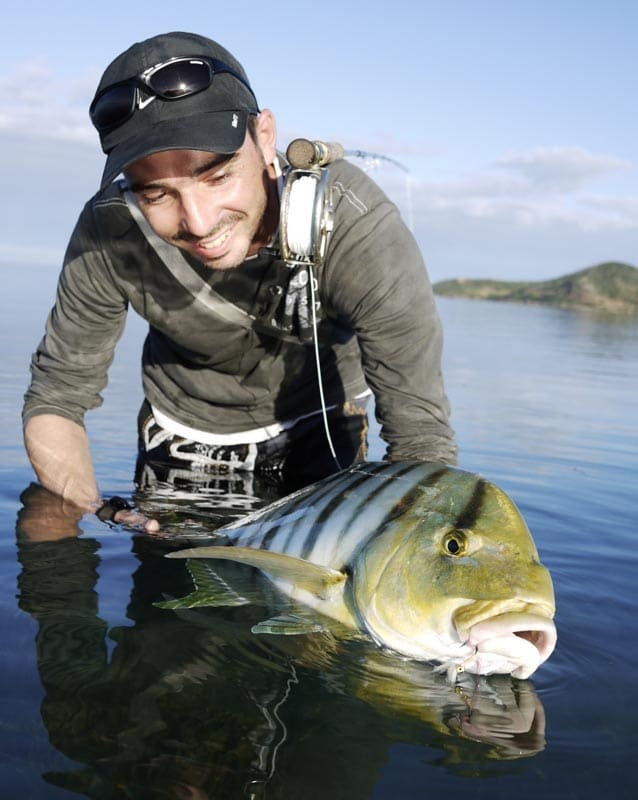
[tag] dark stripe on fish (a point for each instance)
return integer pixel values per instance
(468, 516)
(412, 496)
(404, 503)
(281, 520)
(281, 517)
(366, 471)
(382, 485)
(311, 537)
(278, 521)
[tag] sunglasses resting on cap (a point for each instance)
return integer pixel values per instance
(170, 80)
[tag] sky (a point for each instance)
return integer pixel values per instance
(515, 120)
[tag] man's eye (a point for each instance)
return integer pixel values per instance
(220, 177)
(151, 199)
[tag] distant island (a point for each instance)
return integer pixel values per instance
(610, 287)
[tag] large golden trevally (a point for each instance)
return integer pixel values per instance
(430, 561)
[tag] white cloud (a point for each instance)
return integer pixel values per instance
(46, 122)
(506, 224)
(560, 169)
(546, 186)
(625, 208)
(585, 212)
(38, 104)
(457, 245)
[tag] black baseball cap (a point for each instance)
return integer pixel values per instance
(213, 120)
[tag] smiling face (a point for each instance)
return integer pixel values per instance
(219, 208)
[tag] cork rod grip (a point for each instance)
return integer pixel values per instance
(304, 153)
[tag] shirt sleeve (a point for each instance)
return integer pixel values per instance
(379, 283)
(69, 368)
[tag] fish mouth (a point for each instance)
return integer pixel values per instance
(515, 643)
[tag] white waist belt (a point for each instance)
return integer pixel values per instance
(253, 436)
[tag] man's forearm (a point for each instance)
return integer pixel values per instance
(59, 453)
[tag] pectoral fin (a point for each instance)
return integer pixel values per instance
(289, 625)
(320, 581)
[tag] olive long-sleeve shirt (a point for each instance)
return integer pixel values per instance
(379, 328)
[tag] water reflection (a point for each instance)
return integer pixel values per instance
(544, 403)
(193, 705)
(192, 503)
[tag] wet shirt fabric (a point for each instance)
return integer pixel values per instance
(378, 328)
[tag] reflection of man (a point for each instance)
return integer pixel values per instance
(190, 241)
(206, 717)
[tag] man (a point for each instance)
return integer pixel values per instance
(189, 238)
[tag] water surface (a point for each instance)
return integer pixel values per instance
(103, 695)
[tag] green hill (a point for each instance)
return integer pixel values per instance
(611, 287)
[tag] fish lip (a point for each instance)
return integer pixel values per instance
(538, 630)
(468, 617)
(513, 637)
(513, 642)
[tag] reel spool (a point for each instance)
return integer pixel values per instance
(306, 217)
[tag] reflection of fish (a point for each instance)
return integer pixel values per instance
(504, 714)
(432, 562)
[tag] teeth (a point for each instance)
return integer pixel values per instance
(213, 243)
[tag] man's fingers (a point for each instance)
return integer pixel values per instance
(133, 519)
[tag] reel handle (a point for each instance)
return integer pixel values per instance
(305, 153)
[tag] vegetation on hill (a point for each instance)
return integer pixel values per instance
(611, 287)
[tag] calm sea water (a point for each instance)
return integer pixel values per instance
(102, 695)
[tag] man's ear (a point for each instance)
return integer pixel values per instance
(266, 135)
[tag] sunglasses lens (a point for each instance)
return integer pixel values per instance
(113, 107)
(180, 79)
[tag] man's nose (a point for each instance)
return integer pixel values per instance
(198, 212)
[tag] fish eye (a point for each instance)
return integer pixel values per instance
(455, 543)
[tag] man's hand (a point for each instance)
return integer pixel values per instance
(59, 452)
(133, 519)
(119, 511)
(46, 516)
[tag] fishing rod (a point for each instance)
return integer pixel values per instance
(306, 154)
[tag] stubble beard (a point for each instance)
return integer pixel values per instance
(258, 235)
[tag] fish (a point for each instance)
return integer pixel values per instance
(431, 562)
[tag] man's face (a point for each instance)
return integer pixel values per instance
(219, 208)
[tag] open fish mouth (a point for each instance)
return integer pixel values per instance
(512, 643)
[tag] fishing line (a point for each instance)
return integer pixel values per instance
(269, 752)
(292, 681)
(371, 161)
(303, 240)
(315, 340)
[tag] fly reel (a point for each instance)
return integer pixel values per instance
(307, 212)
